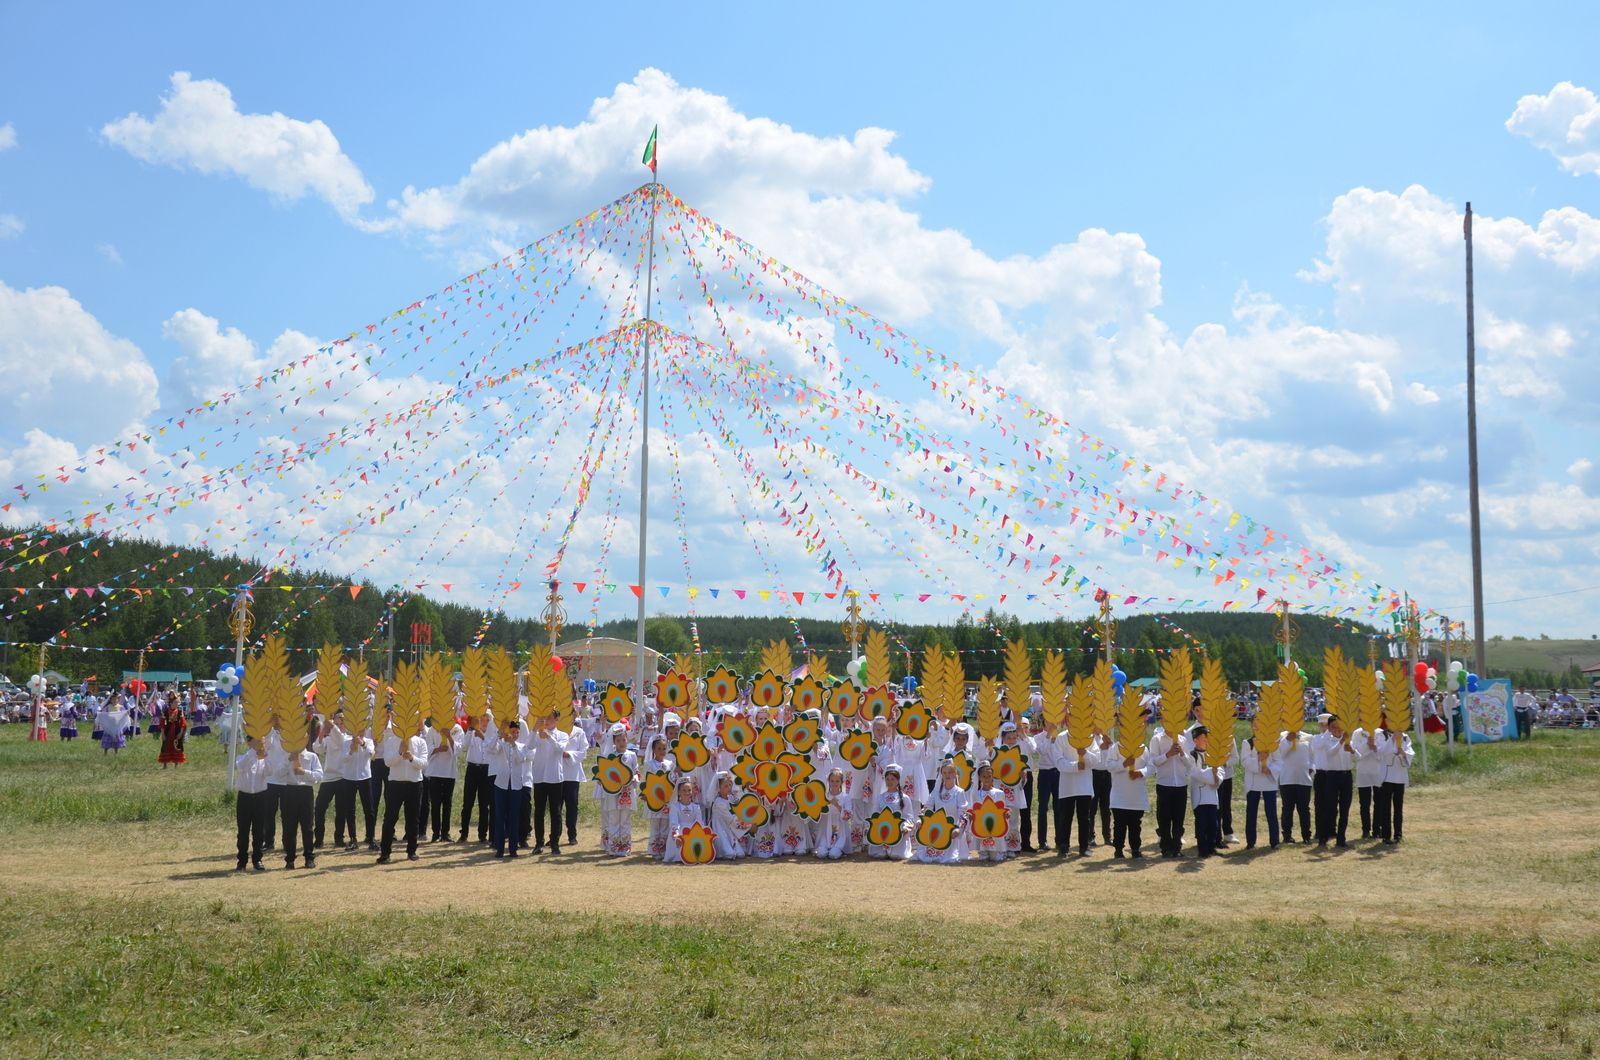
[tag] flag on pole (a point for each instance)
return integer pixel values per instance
(649, 158)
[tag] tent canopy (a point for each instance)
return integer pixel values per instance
(158, 677)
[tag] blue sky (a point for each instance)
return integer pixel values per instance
(1239, 152)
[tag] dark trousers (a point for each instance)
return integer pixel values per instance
(1207, 829)
(507, 811)
(1027, 812)
(1296, 798)
(441, 798)
(297, 802)
(328, 794)
(344, 811)
(569, 804)
(402, 796)
(1391, 811)
(1127, 825)
(1048, 783)
(1333, 804)
(1225, 806)
(380, 780)
(1524, 725)
(1171, 801)
(274, 808)
(476, 791)
(1102, 802)
(1364, 796)
(547, 804)
(1253, 801)
(251, 811)
(525, 816)
(1067, 808)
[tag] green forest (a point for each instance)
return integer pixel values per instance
(180, 616)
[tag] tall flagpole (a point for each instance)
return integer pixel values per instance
(640, 663)
(1472, 462)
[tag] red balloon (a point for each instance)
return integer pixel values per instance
(557, 663)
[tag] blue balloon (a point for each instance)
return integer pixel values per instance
(910, 683)
(1118, 679)
(589, 684)
(1472, 682)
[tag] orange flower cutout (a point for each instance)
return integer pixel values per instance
(964, 767)
(612, 774)
(800, 767)
(772, 780)
(751, 811)
(844, 699)
(1009, 764)
(617, 703)
(737, 733)
(876, 702)
(656, 791)
(744, 770)
(766, 689)
(803, 734)
(989, 818)
(768, 744)
(811, 799)
(885, 828)
(690, 751)
(807, 694)
(672, 690)
(936, 830)
(858, 749)
(722, 685)
(914, 722)
(697, 844)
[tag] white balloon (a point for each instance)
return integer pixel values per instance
(854, 667)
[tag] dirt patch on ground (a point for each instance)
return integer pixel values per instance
(1473, 856)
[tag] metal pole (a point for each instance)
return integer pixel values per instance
(1472, 464)
(644, 457)
(240, 628)
(388, 666)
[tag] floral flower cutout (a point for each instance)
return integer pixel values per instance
(736, 733)
(690, 751)
(858, 749)
(766, 689)
(672, 690)
(722, 685)
(844, 699)
(697, 844)
(772, 780)
(914, 722)
(769, 743)
(802, 734)
(885, 828)
(876, 702)
(750, 811)
(656, 791)
(617, 703)
(810, 799)
(1009, 764)
(936, 830)
(807, 694)
(612, 774)
(989, 818)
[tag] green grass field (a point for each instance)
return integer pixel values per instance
(1553, 656)
(126, 933)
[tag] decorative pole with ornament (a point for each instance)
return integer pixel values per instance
(36, 685)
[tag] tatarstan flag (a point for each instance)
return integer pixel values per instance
(649, 158)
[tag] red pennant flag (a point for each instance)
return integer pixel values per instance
(799, 597)
(579, 586)
(636, 590)
(355, 591)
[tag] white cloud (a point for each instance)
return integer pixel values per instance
(212, 359)
(11, 226)
(200, 127)
(1565, 122)
(8, 136)
(109, 252)
(65, 373)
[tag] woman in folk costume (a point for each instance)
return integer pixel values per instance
(69, 721)
(891, 796)
(949, 796)
(1016, 797)
(1130, 801)
(616, 811)
(173, 728)
(657, 760)
(831, 834)
(791, 833)
(112, 724)
(683, 812)
(730, 833)
(989, 848)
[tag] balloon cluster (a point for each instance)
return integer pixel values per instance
(1460, 678)
(1424, 677)
(1119, 681)
(36, 683)
(230, 680)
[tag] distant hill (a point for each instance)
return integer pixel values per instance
(181, 616)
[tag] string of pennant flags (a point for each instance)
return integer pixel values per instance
(819, 420)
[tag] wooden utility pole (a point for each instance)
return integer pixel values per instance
(1472, 464)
